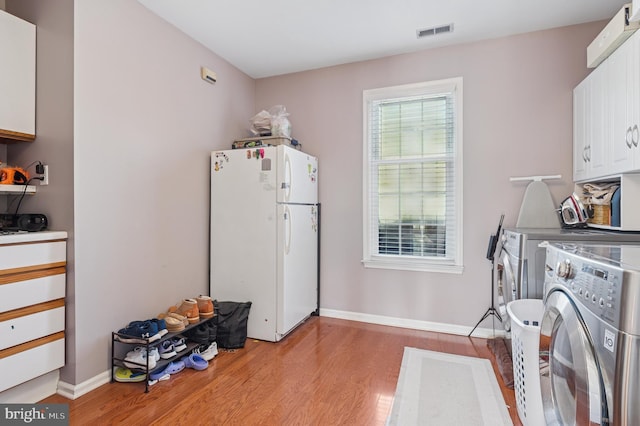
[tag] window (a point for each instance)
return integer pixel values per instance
(413, 177)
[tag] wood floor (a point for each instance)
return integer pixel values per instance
(327, 372)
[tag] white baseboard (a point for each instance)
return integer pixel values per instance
(75, 391)
(461, 330)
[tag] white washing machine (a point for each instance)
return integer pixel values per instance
(590, 335)
(522, 258)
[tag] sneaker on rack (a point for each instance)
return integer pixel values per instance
(138, 330)
(166, 350)
(205, 306)
(155, 355)
(138, 359)
(178, 344)
(208, 352)
(161, 324)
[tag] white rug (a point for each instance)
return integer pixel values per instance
(436, 388)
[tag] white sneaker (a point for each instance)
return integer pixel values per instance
(209, 352)
(140, 360)
(155, 354)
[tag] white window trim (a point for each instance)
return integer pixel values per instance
(454, 266)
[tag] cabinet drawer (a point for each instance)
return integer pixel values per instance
(16, 258)
(44, 356)
(21, 329)
(17, 291)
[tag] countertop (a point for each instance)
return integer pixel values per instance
(27, 237)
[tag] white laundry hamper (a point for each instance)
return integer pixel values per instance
(526, 315)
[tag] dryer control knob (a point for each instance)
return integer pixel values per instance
(564, 269)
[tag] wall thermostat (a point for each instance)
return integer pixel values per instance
(208, 75)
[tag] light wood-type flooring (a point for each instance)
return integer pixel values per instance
(326, 372)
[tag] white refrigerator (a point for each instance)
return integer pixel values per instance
(264, 235)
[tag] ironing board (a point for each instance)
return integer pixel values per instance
(538, 209)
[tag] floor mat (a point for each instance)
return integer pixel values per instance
(436, 388)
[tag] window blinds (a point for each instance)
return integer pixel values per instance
(412, 176)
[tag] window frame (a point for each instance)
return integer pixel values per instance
(371, 259)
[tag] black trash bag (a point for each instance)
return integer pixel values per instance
(232, 323)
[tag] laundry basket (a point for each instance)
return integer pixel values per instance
(526, 315)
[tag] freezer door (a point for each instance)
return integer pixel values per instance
(243, 236)
(297, 176)
(297, 278)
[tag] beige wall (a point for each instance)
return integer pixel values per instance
(517, 122)
(127, 131)
(145, 123)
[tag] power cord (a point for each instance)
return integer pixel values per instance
(24, 191)
(40, 171)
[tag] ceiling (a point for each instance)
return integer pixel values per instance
(283, 36)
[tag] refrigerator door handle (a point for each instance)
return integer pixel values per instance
(287, 237)
(286, 184)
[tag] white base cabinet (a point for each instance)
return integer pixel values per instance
(32, 306)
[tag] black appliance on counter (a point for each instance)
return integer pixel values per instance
(31, 222)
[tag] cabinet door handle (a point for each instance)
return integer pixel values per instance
(589, 153)
(628, 137)
(584, 154)
(634, 135)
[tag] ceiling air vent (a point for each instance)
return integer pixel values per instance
(434, 31)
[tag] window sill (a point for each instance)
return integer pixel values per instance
(407, 265)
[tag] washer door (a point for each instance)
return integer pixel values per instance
(570, 377)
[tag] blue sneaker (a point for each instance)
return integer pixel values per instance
(139, 330)
(161, 324)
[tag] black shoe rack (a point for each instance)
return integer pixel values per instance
(132, 341)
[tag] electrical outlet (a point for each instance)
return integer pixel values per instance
(45, 177)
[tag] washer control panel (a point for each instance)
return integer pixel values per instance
(599, 289)
(594, 285)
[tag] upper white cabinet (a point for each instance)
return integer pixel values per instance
(17, 79)
(607, 116)
(590, 126)
(625, 106)
(580, 135)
